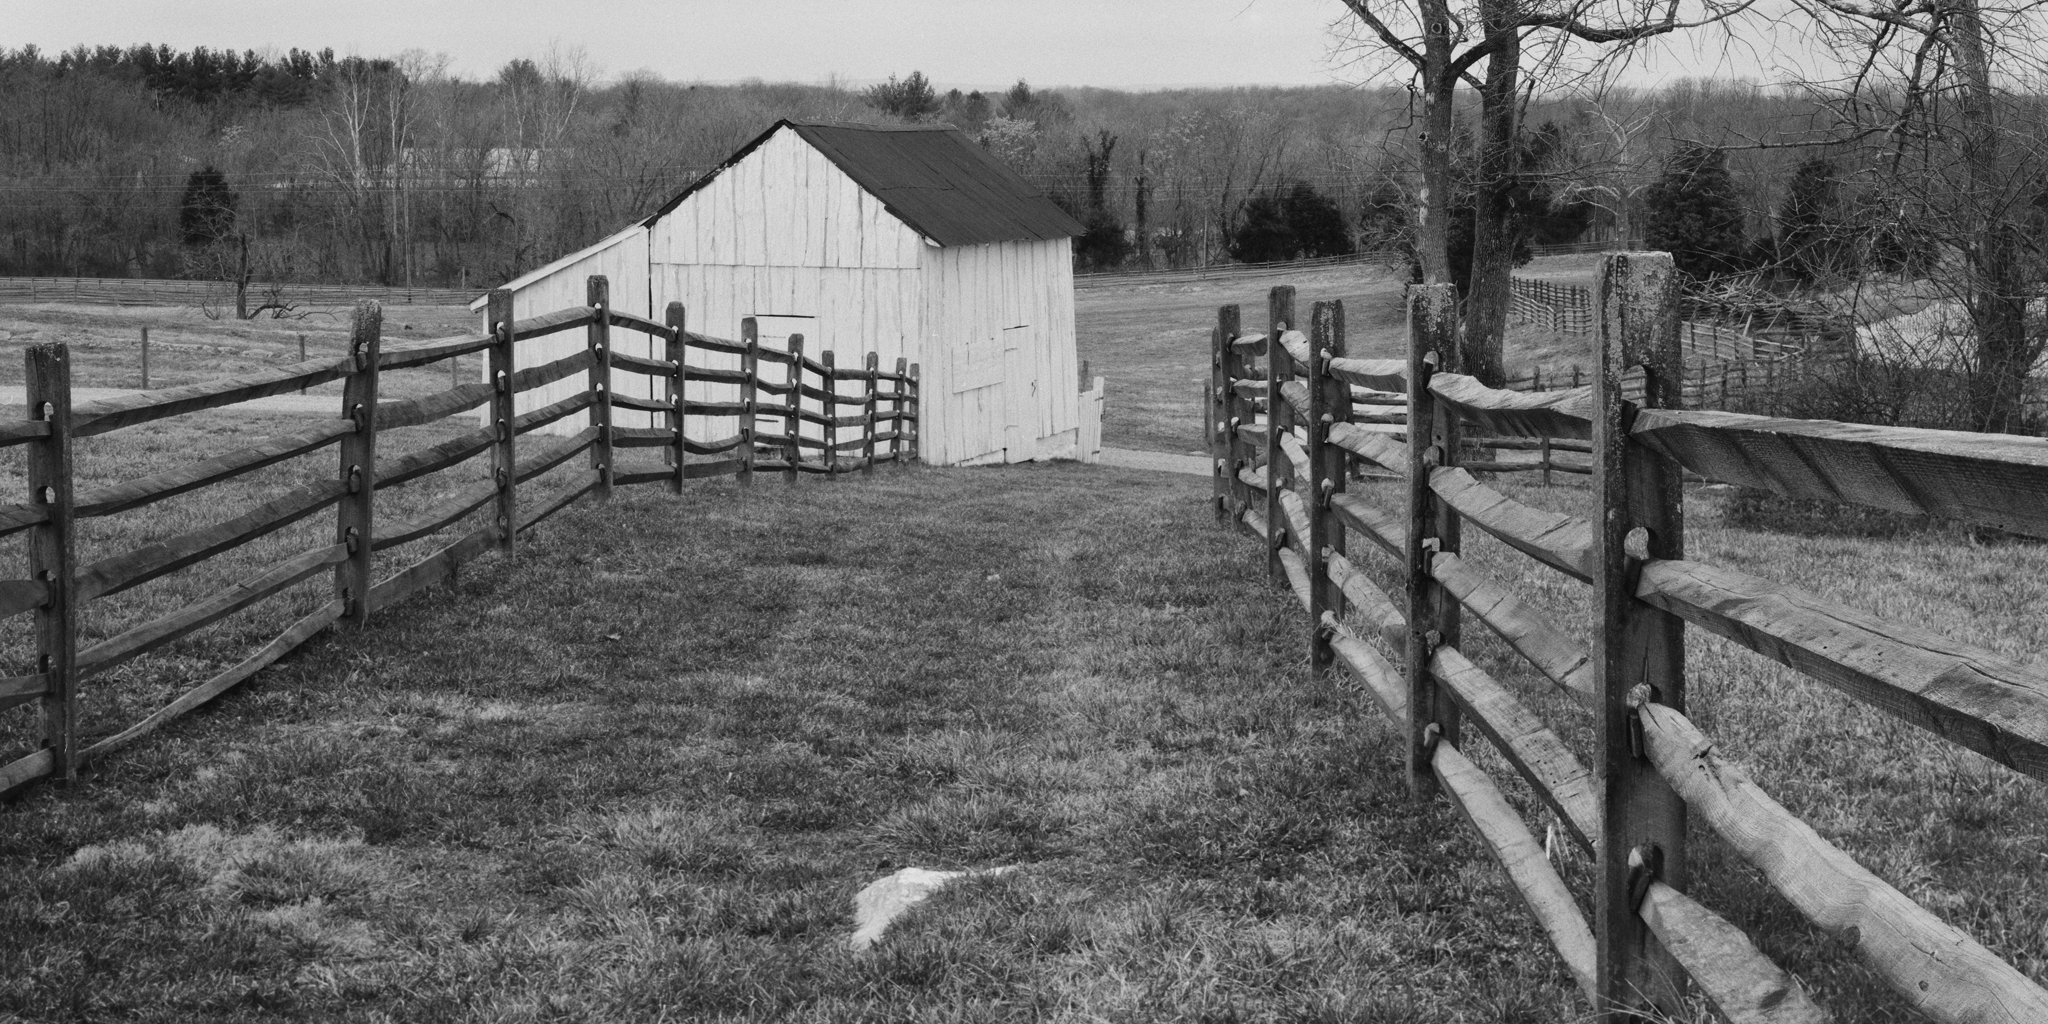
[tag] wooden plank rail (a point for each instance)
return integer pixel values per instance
(154, 634)
(1523, 628)
(552, 323)
(18, 517)
(1517, 413)
(92, 418)
(413, 412)
(17, 596)
(401, 357)
(1937, 969)
(132, 494)
(13, 431)
(1379, 449)
(1563, 542)
(116, 573)
(621, 318)
(639, 364)
(1993, 479)
(1965, 694)
(710, 344)
(449, 453)
(1386, 375)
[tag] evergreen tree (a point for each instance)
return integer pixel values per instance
(1695, 213)
(911, 99)
(1813, 239)
(1290, 222)
(206, 212)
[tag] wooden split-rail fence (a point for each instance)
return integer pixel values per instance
(1287, 481)
(880, 427)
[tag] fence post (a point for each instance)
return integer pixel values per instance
(675, 319)
(1432, 614)
(598, 296)
(1279, 419)
(1329, 403)
(750, 372)
(1546, 461)
(915, 391)
(1641, 650)
(831, 411)
(1239, 411)
(504, 456)
(51, 552)
(873, 365)
(795, 422)
(354, 517)
(1218, 425)
(145, 359)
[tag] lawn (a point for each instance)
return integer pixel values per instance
(639, 772)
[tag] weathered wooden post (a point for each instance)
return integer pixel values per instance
(1432, 527)
(831, 411)
(145, 359)
(598, 296)
(675, 319)
(355, 516)
(750, 374)
(916, 392)
(1218, 425)
(1279, 419)
(794, 414)
(504, 455)
(873, 365)
(900, 408)
(1640, 650)
(1329, 403)
(51, 552)
(1239, 412)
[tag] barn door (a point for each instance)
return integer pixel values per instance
(1020, 395)
(982, 399)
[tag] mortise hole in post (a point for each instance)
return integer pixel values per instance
(1637, 543)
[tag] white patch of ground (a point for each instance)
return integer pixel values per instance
(886, 899)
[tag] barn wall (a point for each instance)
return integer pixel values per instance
(785, 235)
(1000, 366)
(624, 264)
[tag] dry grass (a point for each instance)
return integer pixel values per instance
(639, 773)
(1965, 837)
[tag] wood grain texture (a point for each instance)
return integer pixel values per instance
(32, 767)
(413, 412)
(52, 551)
(1555, 774)
(283, 644)
(154, 634)
(1296, 570)
(1369, 602)
(422, 353)
(1517, 413)
(505, 450)
(452, 452)
(1741, 982)
(1328, 475)
(1432, 613)
(14, 431)
(1379, 449)
(1386, 375)
(1994, 479)
(116, 573)
(98, 417)
(1563, 542)
(1381, 527)
(1282, 467)
(1966, 694)
(551, 323)
(1521, 856)
(355, 513)
(17, 596)
(432, 569)
(1525, 629)
(1934, 967)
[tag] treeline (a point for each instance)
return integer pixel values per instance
(307, 166)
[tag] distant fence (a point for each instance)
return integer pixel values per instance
(1235, 271)
(800, 389)
(1568, 309)
(142, 291)
(1287, 482)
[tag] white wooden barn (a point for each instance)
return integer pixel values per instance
(902, 241)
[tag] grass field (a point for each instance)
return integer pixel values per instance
(639, 773)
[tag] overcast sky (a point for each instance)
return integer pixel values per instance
(957, 43)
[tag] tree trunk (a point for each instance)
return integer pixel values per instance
(1433, 203)
(1495, 221)
(242, 281)
(1997, 301)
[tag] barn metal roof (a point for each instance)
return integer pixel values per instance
(932, 178)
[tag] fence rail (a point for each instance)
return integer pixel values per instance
(57, 588)
(1286, 444)
(142, 291)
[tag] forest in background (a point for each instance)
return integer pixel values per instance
(305, 166)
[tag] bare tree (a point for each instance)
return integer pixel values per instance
(1442, 45)
(1941, 87)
